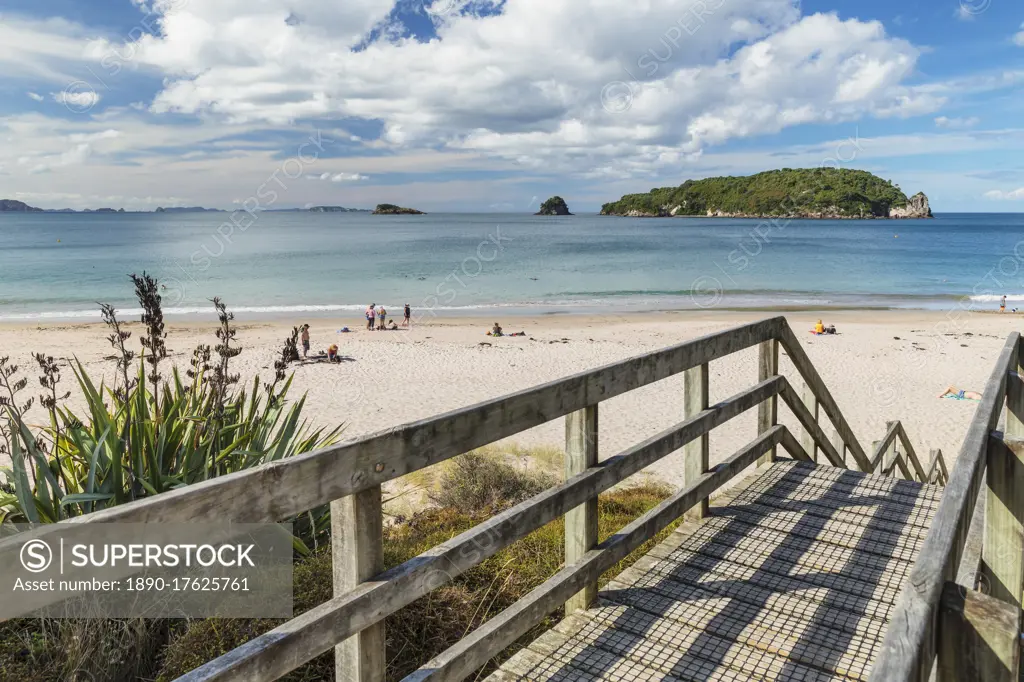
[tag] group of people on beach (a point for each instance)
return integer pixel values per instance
(377, 317)
(332, 351)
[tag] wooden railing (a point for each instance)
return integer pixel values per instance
(977, 533)
(888, 458)
(349, 476)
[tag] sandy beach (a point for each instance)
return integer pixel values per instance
(883, 365)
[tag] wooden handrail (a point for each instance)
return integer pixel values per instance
(810, 424)
(908, 650)
(878, 458)
(287, 487)
(911, 454)
(803, 365)
(907, 461)
(299, 640)
(490, 638)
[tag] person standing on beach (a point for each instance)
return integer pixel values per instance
(408, 316)
(383, 316)
(305, 340)
(371, 314)
(1002, 304)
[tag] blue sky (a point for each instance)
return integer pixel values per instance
(494, 104)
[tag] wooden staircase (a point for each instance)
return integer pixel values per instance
(807, 570)
(792, 576)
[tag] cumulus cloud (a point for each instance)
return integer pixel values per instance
(78, 100)
(645, 86)
(1012, 195)
(339, 177)
(72, 157)
(957, 123)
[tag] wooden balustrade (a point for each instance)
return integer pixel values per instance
(939, 625)
(349, 477)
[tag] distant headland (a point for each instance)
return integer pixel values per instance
(14, 206)
(391, 209)
(829, 193)
(186, 209)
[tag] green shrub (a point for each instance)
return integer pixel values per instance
(477, 481)
(142, 436)
(148, 434)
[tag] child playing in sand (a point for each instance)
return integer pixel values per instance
(332, 353)
(960, 394)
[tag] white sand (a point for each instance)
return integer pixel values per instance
(396, 377)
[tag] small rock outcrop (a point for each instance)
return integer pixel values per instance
(917, 207)
(391, 209)
(554, 206)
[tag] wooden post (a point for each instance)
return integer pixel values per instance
(811, 401)
(1002, 554)
(889, 460)
(358, 555)
(696, 452)
(978, 637)
(840, 446)
(581, 522)
(768, 411)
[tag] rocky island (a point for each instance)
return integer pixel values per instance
(391, 209)
(830, 193)
(554, 206)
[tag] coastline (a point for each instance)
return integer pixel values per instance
(883, 365)
(711, 299)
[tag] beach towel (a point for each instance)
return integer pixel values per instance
(959, 396)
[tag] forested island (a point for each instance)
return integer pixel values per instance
(785, 193)
(554, 206)
(391, 209)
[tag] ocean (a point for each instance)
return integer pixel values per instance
(59, 266)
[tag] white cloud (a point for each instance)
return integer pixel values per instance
(957, 123)
(1018, 38)
(525, 84)
(36, 97)
(999, 195)
(74, 156)
(40, 49)
(78, 101)
(339, 177)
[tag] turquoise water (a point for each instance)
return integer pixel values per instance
(57, 266)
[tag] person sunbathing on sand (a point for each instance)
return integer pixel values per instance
(953, 392)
